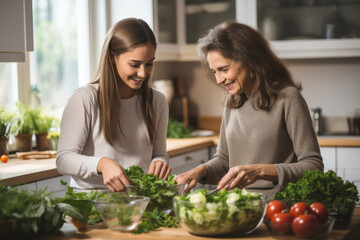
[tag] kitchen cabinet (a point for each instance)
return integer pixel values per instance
(329, 158)
(308, 28)
(187, 161)
(295, 29)
(16, 30)
(345, 161)
(52, 185)
(348, 164)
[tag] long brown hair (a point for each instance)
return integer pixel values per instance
(241, 43)
(122, 37)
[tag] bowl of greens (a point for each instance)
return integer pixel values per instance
(120, 211)
(160, 192)
(235, 212)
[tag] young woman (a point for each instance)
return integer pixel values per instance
(266, 136)
(117, 120)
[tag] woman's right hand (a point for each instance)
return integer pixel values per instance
(192, 176)
(114, 175)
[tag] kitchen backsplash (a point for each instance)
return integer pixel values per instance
(330, 84)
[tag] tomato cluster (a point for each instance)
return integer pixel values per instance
(303, 219)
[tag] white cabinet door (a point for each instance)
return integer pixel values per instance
(29, 186)
(348, 159)
(329, 158)
(53, 185)
(16, 29)
(188, 161)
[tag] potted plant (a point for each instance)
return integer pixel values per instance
(54, 139)
(6, 119)
(42, 125)
(23, 128)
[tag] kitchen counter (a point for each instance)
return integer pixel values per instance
(68, 231)
(18, 171)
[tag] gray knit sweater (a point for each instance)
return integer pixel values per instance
(82, 145)
(284, 137)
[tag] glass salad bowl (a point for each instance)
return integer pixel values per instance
(160, 197)
(235, 212)
(120, 211)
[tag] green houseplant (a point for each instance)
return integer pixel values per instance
(23, 128)
(54, 139)
(42, 124)
(6, 120)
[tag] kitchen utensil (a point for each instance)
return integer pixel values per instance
(166, 87)
(179, 108)
(121, 212)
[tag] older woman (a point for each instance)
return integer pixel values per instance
(266, 135)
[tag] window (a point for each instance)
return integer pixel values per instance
(8, 80)
(57, 65)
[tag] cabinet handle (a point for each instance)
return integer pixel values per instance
(188, 158)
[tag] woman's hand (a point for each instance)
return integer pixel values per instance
(114, 175)
(191, 177)
(160, 169)
(242, 176)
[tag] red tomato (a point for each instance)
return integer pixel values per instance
(299, 208)
(4, 158)
(320, 211)
(305, 225)
(281, 222)
(274, 206)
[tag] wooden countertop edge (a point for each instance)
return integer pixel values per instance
(342, 142)
(31, 177)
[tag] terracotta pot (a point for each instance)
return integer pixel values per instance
(23, 142)
(42, 142)
(3, 146)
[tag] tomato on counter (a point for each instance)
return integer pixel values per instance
(281, 222)
(274, 206)
(4, 158)
(299, 208)
(305, 225)
(320, 211)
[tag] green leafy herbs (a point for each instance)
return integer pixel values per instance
(82, 201)
(315, 186)
(161, 195)
(35, 212)
(176, 129)
(155, 219)
(159, 191)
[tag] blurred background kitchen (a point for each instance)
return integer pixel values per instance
(48, 48)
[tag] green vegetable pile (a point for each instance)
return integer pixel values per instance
(176, 129)
(235, 211)
(82, 201)
(159, 191)
(315, 186)
(161, 195)
(34, 212)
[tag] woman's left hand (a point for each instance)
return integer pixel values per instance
(240, 176)
(160, 169)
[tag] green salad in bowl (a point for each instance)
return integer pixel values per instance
(236, 212)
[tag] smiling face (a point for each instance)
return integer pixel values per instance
(232, 75)
(134, 67)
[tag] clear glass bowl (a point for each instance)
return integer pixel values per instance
(239, 219)
(162, 199)
(319, 232)
(120, 211)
